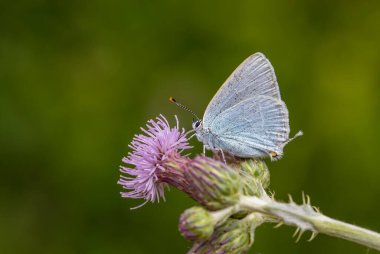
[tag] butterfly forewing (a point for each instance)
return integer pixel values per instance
(254, 77)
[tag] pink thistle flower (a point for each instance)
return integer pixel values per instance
(155, 161)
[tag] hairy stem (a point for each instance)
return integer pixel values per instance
(307, 218)
(348, 232)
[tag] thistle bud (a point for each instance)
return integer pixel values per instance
(196, 223)
(256, 177)
(233, 237)
(212, 183)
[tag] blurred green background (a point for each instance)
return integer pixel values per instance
(78, 79)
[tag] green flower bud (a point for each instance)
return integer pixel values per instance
(232, 237)
(256, 177)
(212, 183)
(196, 223)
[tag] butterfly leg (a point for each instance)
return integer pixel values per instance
(217, 149)
(224, 158)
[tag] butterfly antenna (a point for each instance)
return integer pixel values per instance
(171, 99)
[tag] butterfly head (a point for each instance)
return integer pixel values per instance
(197, 124)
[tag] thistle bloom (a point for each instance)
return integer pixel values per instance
(151, 154)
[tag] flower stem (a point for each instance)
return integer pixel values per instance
(221, 215)
(348, 232)
(307, 218)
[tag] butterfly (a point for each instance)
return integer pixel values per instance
(247, 117)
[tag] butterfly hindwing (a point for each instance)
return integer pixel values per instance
(259, 123)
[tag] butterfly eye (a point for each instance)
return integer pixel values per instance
(196, 124)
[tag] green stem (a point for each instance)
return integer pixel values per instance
(223, 214)
(306, 218)
(348, 232)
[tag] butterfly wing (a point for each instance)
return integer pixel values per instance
(254, 127)
(254, 77)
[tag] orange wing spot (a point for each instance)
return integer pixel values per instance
(273, 154)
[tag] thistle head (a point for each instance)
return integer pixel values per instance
(255, 177)
(233, 237)
(212, 183)
(159, 145)
(196, 223)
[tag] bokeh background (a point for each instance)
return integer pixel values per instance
(79, 78)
